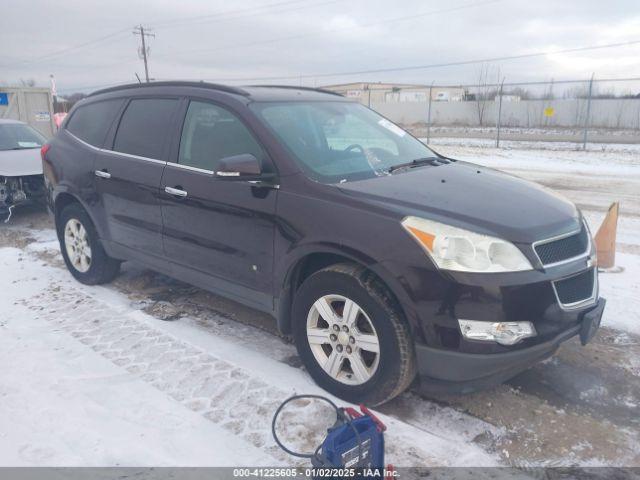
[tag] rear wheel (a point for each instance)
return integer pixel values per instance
(81, 248)
(351, 335)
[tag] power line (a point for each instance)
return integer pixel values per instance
(206, 18)
(167, 23)
(249, 13)
(68, 49)
(333, 30)
(373, 86)
(429, 66)
(281, 10)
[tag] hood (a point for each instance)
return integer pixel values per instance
(473, 197)
(19, 163)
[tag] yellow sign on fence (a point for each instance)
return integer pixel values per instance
(549, 112)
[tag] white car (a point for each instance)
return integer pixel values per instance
(21, 179)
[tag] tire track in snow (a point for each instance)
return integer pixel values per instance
(237, 399)
(221, 392)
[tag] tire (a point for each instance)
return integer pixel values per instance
(95, 266)
(348, 288)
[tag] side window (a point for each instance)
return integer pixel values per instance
(211, 133)
(91, 122)
(144, 127)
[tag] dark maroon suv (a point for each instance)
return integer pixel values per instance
(383, 259)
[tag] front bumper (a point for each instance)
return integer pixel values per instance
(16, 191)
(450, 371)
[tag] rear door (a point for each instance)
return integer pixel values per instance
(221, 228)
(128, 173)
(75, 150)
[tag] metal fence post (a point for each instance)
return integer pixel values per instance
(429, 114)
(498, 117)
(586, 119)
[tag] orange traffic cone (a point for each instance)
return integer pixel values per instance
(606, 238)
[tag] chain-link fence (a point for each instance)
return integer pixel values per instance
(578, 111)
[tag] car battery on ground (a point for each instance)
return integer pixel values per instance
(355, 440)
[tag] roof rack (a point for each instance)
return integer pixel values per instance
(293, 87)
(175, 83)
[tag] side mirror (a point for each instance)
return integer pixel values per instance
(239, 166)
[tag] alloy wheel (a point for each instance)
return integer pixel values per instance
(76, 242)
(343, 339)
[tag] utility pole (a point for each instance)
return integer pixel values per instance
(139, 30)
(429, 113)
(499, 116)
(586, 118)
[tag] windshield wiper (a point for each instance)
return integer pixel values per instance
(435, 161)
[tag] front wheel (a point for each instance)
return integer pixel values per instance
(351, 335)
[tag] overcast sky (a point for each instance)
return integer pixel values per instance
(251, 41)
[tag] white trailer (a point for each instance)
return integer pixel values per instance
(30, 105)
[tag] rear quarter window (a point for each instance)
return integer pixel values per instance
(90, 123)
(145, 126)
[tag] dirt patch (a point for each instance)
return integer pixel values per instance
(170, 299)
(11, 237)
(539, 433)
(579, 407)
(50, 257)
(628, 248)
(15, 233)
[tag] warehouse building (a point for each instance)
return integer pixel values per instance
(368, 93)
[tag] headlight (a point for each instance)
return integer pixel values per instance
(453, 248)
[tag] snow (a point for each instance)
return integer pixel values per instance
(562, 157)
(97, 382)
(622, 291)
(60, 406)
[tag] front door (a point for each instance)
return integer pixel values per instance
(128, 175)
(219, 227)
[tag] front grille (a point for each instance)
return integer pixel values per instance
(576, 289)
(563, 248)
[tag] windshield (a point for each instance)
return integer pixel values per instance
(338, 141)
(17, 136)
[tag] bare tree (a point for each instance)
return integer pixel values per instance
(523, 93)
(548, 92)
(74, 98)
(620, 111)
(483, 92)
(27, 82)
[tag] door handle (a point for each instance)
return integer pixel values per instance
(263, 184)
(102, 174)
(176, 192)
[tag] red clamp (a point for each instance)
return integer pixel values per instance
(381, 426)
(353, 413)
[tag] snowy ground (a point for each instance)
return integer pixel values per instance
(575, 136)
(96, 381)
(94, 376)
